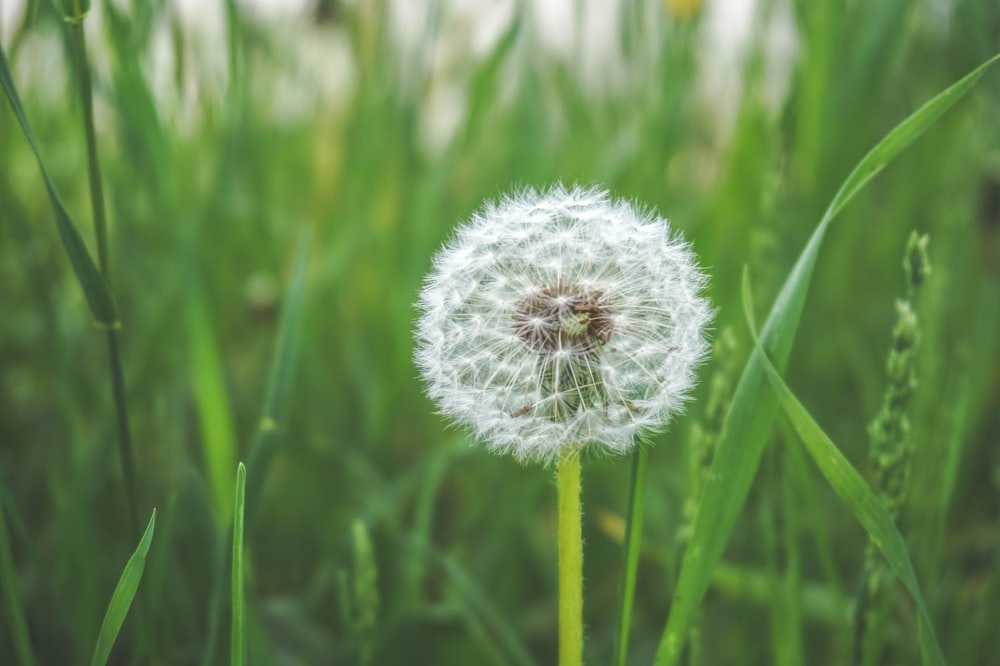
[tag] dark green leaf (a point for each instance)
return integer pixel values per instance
(102, 303)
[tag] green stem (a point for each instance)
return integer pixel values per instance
(125, 451)
(633, 540)
(570, 562)
(93, 165)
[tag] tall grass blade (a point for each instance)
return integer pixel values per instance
(214, 410)
(851, 488)
(122, 598)
(18, 626)
(269, 428)
(238, 634)
(272, 418)
(95, 289)
(630, 554)
(752, 410)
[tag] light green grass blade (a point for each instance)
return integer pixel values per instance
(272, 418)
(16, 623)
(852, 489)
(95, 289)
(630, 554)
(122, 598)
(902, 136)
(214, 411)
(752, 410)
(238, 634)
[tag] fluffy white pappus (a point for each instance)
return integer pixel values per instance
(562, 319)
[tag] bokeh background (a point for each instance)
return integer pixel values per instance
(229, 130)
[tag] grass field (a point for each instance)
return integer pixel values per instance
(275, 188)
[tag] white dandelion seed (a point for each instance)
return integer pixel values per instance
(558, 320)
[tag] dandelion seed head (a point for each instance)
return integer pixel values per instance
(562, 319)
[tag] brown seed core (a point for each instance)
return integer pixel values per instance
(564, 318)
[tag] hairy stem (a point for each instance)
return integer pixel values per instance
(570, 563)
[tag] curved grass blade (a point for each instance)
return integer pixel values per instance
(752, 410)
(95, 289)
(633, 541)
(238, 634)
(851, 488)
(122, 598)
(903, 135)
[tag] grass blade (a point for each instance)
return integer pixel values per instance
(122, 598)
(630, 555)
(95, 289)
(903, 135)
(852, 489)
(269, 428)
(214, 410)
(752, 410)
(12, 601)
(238, 634)
(279, 381)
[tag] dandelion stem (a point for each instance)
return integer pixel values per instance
(125, 452)
(570, 562)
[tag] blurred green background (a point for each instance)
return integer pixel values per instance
(229, 130)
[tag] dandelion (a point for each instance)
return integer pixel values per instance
(556, 321)
(559, 320)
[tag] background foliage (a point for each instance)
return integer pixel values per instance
(382, 535)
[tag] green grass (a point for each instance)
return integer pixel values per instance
(121, 599)
(265, 263)
(238, 633)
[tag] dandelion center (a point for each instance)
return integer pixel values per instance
(564, 318)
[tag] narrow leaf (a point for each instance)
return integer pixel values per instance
(95, 289)
(238, 634)
(752, 410)
(903, 135)
(122, 598)
(851, 488)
